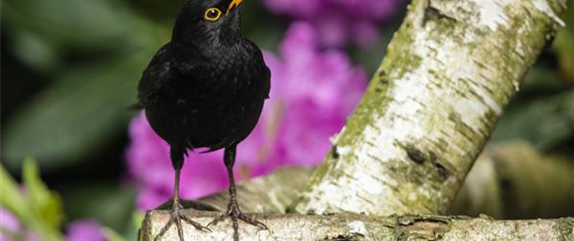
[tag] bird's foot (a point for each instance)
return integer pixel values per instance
(235, 214)
(175, 217)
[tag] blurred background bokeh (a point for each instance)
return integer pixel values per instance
(69, 74)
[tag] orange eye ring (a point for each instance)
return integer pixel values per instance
(212, 14)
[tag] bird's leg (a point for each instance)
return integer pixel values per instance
(176, 214)
(233, 210)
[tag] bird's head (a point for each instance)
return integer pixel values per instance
(207, 22)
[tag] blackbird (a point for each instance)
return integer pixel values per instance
(205, 89)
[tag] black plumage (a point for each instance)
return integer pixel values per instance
(205, 89)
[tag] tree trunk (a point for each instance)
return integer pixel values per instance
(450, 71)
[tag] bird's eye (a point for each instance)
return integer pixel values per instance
(212, 14)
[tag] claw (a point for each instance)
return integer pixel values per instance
(195, 224)
(179, 229)
(175, 218)
(219, 218)
(163, 230)
(235, 214)
(252, 221)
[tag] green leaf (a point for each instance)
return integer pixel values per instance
(34, 50)
(43, 33)
(37, 191)
(40, 210)
(72, 22)
(11, 197)
(46, 204)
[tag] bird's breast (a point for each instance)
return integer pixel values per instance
(223, 81)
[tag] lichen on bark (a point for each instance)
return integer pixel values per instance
(450, 70)
(353, 227)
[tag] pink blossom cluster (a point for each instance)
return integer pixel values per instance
(80, 230)
(339, 22)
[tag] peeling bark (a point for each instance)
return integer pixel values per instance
(351, 227)
(450, 70)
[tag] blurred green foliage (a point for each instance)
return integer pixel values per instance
(40, 209)
(87, 100)
(564, 44)
(544, 119)
(102, 201)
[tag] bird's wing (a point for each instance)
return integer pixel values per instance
(154, 76)
(264, 73)
(267, 86)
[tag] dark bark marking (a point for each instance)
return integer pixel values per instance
(335, 152)
(382, 82)
(433, 13)
(339, 239)
(427, 227)
(344, 237)
(420, 157)
(443, 172)
(416, 155)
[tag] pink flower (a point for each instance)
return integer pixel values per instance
(149, 163)
(312, 93)
(9, 225)
(339, 22)
(84, 230)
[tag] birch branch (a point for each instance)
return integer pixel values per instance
(508, 180)
(268, 194)
(481, 193)
(351, 227)
(450, 71)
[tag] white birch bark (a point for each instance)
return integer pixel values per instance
(352, 227)
(450, 71)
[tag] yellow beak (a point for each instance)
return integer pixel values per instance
(233, 4)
